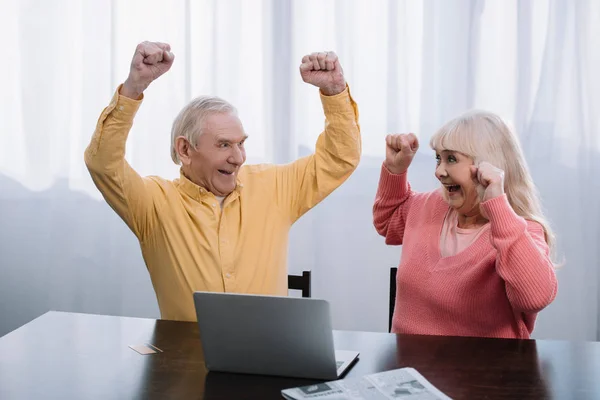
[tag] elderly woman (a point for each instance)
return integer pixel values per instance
(476, 255)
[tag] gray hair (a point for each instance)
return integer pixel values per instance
(189, 123)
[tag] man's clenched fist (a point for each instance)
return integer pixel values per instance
(324, 71)
(151, 60)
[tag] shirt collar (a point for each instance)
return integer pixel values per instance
(195, 191)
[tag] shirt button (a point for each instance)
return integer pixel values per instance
(121, 108)
(228, 275)
(214, 205)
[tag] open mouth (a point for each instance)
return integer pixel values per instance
(452, 188)
(222, 171)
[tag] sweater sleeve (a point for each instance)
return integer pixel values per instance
(523, 257)
(392, 202)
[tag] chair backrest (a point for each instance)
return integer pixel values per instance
(300, 282)
(393, 272)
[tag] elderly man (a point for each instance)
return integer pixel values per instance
(222, 226)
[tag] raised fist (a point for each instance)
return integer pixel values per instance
(151, 60)
(399, 152)
(324, 71)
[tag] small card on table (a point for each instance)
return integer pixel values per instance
(145, 348)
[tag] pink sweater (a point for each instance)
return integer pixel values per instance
(494, 288)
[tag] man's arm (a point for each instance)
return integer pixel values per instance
(122, 188)
(304, 183)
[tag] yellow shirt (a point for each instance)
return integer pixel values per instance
(188, 242)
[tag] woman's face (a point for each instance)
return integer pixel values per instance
(459, 185)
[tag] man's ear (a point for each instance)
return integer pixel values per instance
(183, 149)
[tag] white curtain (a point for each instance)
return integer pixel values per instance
(411, 65)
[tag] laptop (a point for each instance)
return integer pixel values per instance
(269, 335)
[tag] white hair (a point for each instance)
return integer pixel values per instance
(484, 136)
(189, 123)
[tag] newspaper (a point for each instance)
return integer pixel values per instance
(398, 384)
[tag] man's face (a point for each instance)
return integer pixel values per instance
(215, 161)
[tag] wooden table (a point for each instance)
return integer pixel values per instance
(82, 356)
